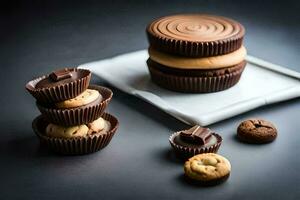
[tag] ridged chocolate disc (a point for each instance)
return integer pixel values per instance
(195, 35)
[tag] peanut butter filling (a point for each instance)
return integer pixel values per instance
(214, 62)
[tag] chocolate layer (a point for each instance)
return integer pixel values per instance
(191, 83)
(76, 145)
(78, 115)
(46, 90)
(195, 35)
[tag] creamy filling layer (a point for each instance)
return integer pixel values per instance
(214, 62)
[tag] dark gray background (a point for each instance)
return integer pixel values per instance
(39, 36)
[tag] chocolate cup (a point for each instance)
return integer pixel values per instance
(78, 115)
(187, 152)
(77, 145)
(161, 36)
(59, 92)
(195, 84)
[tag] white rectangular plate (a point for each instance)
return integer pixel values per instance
(261, 83)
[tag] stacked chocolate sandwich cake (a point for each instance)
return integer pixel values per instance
(196, 53)
(73, 120)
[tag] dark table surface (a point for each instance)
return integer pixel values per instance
(37, 37)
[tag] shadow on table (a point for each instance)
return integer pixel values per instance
(168, 155)
(30, 148)
(26, 147)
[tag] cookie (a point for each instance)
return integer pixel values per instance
(100, 125)
(195, 35)
(85, 98)
(53, 130)
(59, 85)
(196, 140)
(207, 168)
(256, 131)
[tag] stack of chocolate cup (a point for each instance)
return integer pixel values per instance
(70, 110)
(196, 53)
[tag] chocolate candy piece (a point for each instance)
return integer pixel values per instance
(196, 134)
(60, 75)
(186, 143)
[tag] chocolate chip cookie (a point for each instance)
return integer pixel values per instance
(207, 169)
(54, 130)
(98, 126)
(256, 131)
(85, 98)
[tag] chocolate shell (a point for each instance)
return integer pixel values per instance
(78, 115)
(189, 81)
(76, 145)
(195, 35)
(46, 89)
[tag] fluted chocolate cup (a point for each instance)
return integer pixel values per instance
(195, 35)
(185, 152)
(78, 115)
(77, 145)
(195, 81)
(59, 90)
